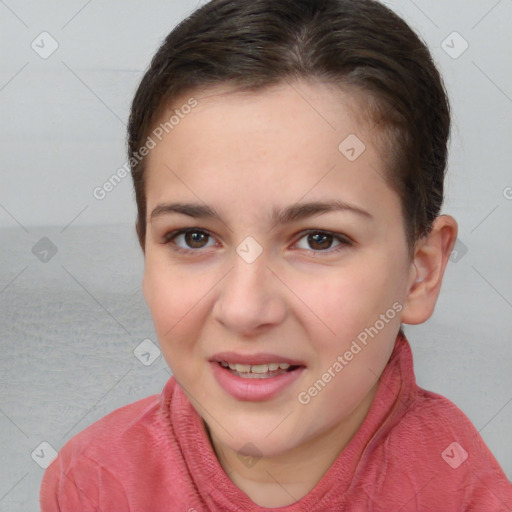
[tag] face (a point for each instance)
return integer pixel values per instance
(249, 274)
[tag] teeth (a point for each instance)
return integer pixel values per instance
(255, 368)
(242, 368)
(259, 368)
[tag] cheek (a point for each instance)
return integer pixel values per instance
(174, 299)
(175, 304)
(347, 301)
(351, 305)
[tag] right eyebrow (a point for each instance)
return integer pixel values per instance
(196, 211)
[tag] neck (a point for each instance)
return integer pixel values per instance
(284, 479)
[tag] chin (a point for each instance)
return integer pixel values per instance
(261, 440)
(262, 447)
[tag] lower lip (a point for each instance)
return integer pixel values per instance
(254, 390)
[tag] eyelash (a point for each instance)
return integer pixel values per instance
(344, 240)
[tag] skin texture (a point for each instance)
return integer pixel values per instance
(245, 154)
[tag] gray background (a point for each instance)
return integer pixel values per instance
(71, 321)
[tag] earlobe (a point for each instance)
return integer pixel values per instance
(431, 256)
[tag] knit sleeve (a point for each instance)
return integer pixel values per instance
(72, 484)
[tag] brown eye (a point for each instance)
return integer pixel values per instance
(189, 239)
(195, 239)
(322, 241)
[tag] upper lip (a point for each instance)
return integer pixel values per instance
(254, 359)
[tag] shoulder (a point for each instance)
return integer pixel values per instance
(113, 435)
(126, 433)
(438, 421)
(110, 461)
(99, 453)
(117, 425)
(435, 426)
(435, 454)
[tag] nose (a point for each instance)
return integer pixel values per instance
(251, 297)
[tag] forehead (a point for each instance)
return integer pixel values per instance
(322, 105)
(296, 117)
(289, 140)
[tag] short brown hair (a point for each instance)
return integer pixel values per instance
(356, 44)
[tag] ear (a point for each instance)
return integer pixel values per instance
(431, 255)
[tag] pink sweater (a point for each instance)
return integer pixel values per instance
(415, 451)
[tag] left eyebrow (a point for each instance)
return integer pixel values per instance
(300, 211)
(292, 213)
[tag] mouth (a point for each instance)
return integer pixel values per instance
(258, 371)
(255, 377)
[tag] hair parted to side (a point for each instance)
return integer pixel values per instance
(358, 45)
